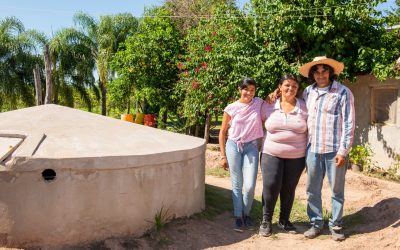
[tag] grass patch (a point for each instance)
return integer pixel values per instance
(217, 201)
(298, 214)
(160, 220)
(218, 172)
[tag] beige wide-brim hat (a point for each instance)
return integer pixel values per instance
(337, 66)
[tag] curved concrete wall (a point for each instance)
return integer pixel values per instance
(112, 177)
(84, 205)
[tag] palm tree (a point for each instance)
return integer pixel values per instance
(73, 66)
(17, 59)
(105, 35)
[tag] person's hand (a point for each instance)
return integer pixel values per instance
(271, 98)
(224, 164)
(340, 160)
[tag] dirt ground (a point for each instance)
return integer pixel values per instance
(376, 201)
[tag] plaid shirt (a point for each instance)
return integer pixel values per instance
(330, 119)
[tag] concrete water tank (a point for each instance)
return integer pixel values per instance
(69, 176)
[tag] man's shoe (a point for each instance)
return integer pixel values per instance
(265, 228)
(337, 234)
(312, 232)
(287, 227)
(248, 222)
(238, 225)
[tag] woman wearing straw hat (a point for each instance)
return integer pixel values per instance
(330, 135)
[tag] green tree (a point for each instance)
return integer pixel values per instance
(106, 35)
(352, 31)
(220, 52)
(73, 66)
(147, 61)
(190, 13)
(17, 60)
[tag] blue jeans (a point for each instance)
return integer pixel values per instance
(317, 166)
(243, 167)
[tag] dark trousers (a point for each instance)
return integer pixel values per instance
(280, 177)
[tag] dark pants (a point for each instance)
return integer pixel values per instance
(280, 177)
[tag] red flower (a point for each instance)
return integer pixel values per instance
(197, 69)
(204, 65)
(208, 48)
(214, 33)
(195, 84)
(180, 66)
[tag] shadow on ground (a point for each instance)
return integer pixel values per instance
(385, 213)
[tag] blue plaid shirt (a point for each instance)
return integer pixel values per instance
(330, 119)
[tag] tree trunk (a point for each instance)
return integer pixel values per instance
(56, 82)
(103, 98)
(197, 130)
(38, 85)
(165, 117)
(207, 126)
(47, 66)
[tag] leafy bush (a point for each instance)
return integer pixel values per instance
(361, 155)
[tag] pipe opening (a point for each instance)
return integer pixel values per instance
(49, 175)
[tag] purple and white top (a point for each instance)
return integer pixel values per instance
(246, 121)
(286, 135)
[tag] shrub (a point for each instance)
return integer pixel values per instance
(361, 155)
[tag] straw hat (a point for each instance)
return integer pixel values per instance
(337, 66)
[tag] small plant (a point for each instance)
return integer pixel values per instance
(361, 155)
(161, 218)
(394, 170)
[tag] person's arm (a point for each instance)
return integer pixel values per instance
(348, 125)
(271, 98)
(223, 132)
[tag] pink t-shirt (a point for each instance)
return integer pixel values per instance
(286, 135)
(246, 121)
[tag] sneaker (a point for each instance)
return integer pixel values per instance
(337, 234)
(265, 229)
(238, 225)
(287, 227)
(248, 222)
(312, 232)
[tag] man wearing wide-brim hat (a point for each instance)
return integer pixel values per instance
(330, 130)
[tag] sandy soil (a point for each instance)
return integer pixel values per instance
(377, 201)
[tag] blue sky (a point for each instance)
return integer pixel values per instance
(48, 16)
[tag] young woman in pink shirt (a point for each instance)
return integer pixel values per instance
(238, 140)
(283, 154)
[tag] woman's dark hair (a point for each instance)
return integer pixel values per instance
(293, 78)
(332, 75)
(246, 83)
(288, 77)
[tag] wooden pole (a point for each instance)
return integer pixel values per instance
(49, 84)
(38, 85)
